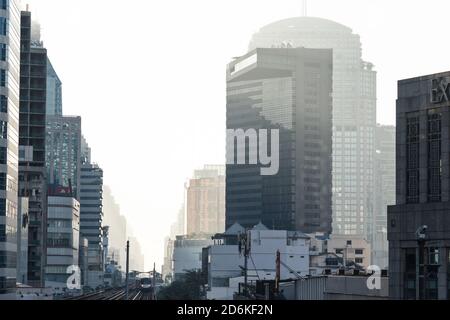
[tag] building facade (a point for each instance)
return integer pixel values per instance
(32, 176)
(288, 90)
(384, 192)
(224, 260)
(354, 114)
(91, 220)
(63, 153)
(187, 254)
(22, 241)
(419, 223)
(54, 92)
(205, 201)
(9, 153)
(63, 237)
(117, 228)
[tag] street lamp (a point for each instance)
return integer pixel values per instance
(421, 238)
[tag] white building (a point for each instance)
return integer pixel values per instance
(63, 234)
(187, 254)
(225, 263)
(329, 253)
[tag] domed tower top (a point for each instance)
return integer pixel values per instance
(307, 32)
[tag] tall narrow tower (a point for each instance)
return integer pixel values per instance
(9, 123)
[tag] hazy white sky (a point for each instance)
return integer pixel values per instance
(148, 79)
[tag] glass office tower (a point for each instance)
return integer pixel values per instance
(288, 90)
(354, 115)
(9, 140)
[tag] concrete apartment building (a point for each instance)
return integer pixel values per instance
(91, 220)
(419, 223)
(288, 90)
(63, 237)
(205, 201)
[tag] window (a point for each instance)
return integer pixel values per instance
(339, 251)
(412, 158)
(410, 274)
(4, 4)
(2, 207)
(359, 251)
(359, 260)
(3, 51)
(434, 155)
(3, 78)
(3, 24)
(3, 129)
(3, 104)
(3, 181)
(3, 155)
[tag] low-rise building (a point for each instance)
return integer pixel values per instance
(336, 287)
(225, 262)
(187, 254)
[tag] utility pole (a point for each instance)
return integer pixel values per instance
(244, 247)
(154, 280)
(127, 270)
(278, 272)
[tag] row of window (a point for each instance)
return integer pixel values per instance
(434, 161)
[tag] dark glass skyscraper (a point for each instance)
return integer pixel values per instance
(289, 90)
(32, 177)
(9, 126)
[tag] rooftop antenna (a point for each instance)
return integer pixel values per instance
(304, 8)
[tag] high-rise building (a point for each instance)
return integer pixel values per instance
(167, 268)
(63, 153)
(63, 239)
(384, 192)
(91, 220)
(32, 175)
(85, 150)
(288, 90)
(137, 262)
(9, 123)
(117, 228)
(419, 223)
(354, 114)
(178, 228)
(205, 201)
(54, 92)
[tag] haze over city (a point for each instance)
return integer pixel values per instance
(152, 78)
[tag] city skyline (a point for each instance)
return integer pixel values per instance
(210, 49)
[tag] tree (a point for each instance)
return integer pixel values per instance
(186, 288)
